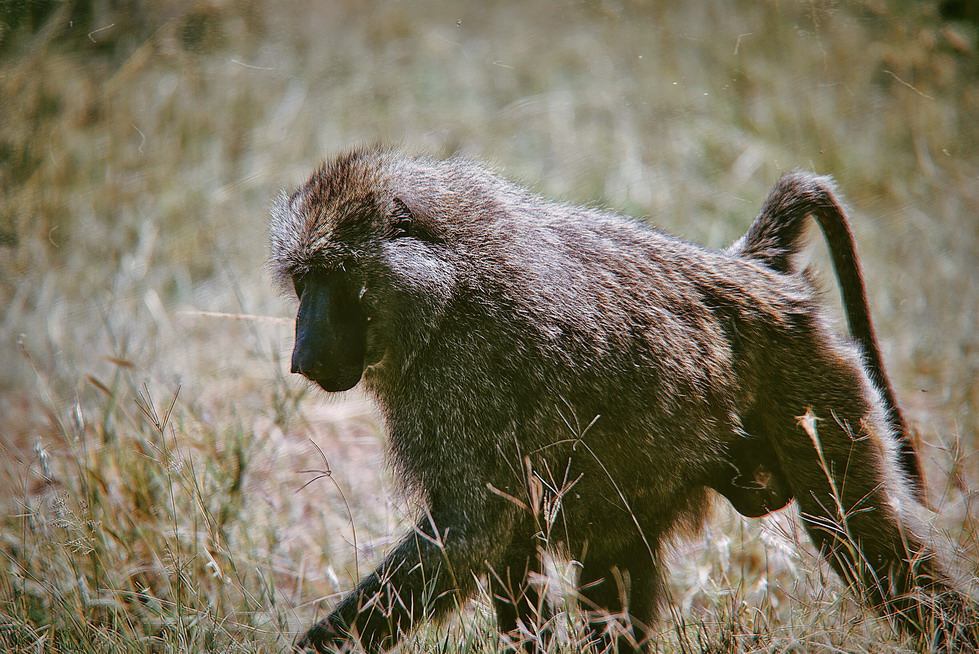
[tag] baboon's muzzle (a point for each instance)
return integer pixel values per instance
(331, 330)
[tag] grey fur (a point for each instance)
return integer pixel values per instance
(530, 355)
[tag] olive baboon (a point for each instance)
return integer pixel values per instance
(527, 354)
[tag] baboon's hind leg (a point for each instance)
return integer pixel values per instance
(829, 444)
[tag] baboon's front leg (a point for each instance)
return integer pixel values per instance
(516, 599)
(619, 593)
(429, 573)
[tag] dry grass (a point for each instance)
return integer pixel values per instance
(152, 486)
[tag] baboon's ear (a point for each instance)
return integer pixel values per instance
(401, 221)
(406, 221)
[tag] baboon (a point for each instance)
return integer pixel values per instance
(564, 377)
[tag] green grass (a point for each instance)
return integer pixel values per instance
(152, 487)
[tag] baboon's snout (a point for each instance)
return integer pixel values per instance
(331, 333)
(331, 376)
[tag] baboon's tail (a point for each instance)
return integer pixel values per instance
(775, 238)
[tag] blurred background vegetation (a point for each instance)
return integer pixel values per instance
(154, 456)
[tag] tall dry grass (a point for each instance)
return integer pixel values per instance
(166, 486)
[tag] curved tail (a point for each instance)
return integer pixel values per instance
(775, 238)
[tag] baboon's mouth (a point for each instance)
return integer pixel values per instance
(336, 382)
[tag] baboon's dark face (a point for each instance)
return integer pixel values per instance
(364, 267)
(331, 330)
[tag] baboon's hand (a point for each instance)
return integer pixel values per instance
(324, 637)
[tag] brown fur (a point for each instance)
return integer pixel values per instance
(528, 355)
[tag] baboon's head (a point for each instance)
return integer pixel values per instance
(369, 264)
